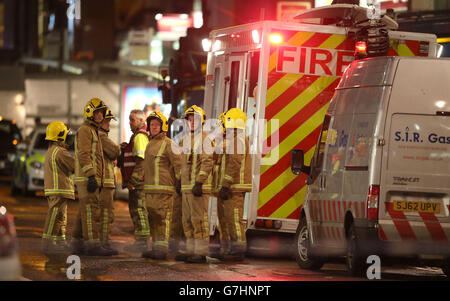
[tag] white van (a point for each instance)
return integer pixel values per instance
(379, 181)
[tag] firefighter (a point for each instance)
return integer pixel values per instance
(234, 181)
(111, 152)
(133, 179)
(196, 177)
(161, 173)
(219, 149)
(89, 178)
(58, 187)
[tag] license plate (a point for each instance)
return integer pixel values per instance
(413, 206)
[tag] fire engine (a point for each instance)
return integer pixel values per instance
(283, 75)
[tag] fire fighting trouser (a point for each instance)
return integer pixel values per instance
(87, 224)
(176, 227)
(196, 223)
(138, 214)
(56, 220)
(160, 215)
(106, 213)
(225, 240)
(233, 222)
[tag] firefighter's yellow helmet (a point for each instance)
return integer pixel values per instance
(159, 116)
(195, 110)
(109, 114)
(93, 105)
(56, 131)
(235, 119)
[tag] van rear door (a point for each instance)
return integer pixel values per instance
(416, 179)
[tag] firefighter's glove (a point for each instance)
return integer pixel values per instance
(225, 193)
(197, 189)
(92, 184)
(178, 186)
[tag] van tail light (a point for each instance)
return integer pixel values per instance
(372, 202)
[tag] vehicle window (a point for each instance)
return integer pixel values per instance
(317, 161)
(40, 142)
(216, 91)
(234, 84)
(250, 97)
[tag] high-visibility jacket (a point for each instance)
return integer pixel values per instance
(219, 150)
(131, 173)
(111, 152)
(161, 165)
(58, 168)
(89, 159)
(196, 161)
(236, 163)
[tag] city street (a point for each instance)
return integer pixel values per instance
(29, 214)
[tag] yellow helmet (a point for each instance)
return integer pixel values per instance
(235, 119)
(195, 110)
(93, 105)
(159, 116)
(109, 114)
(56, 131)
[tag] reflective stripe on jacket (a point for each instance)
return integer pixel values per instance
(89, 159)
(58, 168)
(196, 162)
(161, 165)
(129, 160)
(111, 152)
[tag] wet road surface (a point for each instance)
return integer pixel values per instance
(30, 212)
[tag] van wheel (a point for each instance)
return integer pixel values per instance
(303, 254)
(355, 260)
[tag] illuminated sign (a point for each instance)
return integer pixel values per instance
(313, 61)
(173, 26)
(287, 10)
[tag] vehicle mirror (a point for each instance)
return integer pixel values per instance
(298, 163)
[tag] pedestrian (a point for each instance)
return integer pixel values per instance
(111, 151)
(196, 177)
(162, 176)
(234, 181)
(58, 187)
(133, 179)
(89, 179)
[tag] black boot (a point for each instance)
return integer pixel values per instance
(108, 246)
(154, 254)
(77, 247)
(196, 259)
(98, 251)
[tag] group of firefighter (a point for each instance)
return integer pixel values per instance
(170, 184)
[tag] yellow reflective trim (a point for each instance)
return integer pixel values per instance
(55, 168)
(86, 168)
(158, 157)
(105, 224)
(167, 230)
(162, 187)
(229, 178)
(89, 222)
(52, 221)
(237, 225)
